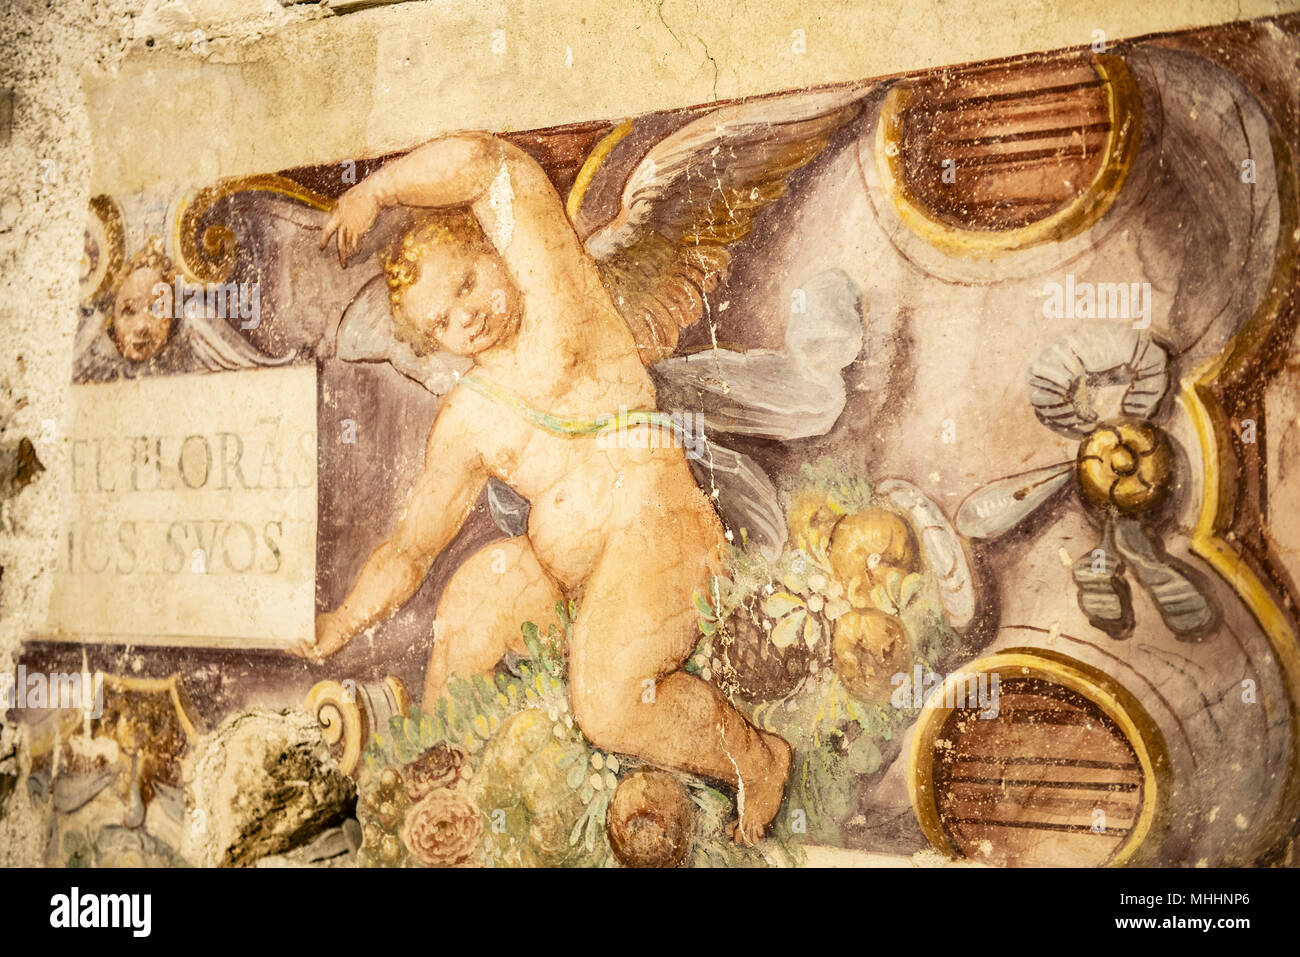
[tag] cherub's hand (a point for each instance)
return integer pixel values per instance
(352, 217)
(327, 640)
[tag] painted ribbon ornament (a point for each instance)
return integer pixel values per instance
(1123, 469)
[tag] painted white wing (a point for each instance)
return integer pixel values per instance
(943, 549)
(1000, 506)
(95, 355)
(1065, 375)
(793, 393)
(745, 497)
(366, 335)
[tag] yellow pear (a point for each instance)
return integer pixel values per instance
(812, 516)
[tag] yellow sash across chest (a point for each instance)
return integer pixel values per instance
(571, 425)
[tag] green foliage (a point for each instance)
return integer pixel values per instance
(837, 741)
(713, 847)
(474, 711)
(847, 493)
(79, 850)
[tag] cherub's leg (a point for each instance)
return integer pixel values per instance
(494, 591)
(636, 625)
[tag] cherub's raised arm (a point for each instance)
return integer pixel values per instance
(440, 501)
(510, 194)
(449, 171)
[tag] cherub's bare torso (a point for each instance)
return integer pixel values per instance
(583, 492)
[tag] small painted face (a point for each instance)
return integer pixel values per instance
(141, 320)
(464, 301)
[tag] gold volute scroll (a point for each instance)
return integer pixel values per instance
(350, 714)
(207, 253)
(342, 722)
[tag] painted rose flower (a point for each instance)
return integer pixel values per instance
(442, 766)
(443, 830)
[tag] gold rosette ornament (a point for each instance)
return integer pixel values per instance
(1125, 465)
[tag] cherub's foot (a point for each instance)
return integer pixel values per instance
(763, 791)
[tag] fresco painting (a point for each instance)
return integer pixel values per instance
(875, 469)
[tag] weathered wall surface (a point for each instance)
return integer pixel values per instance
(47, 162)
(117, 95)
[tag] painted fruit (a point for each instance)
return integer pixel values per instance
(390, 850)
(389, 816)
(868, 649)
(761, 671)
(523, 771)
(860, 588)
(650, 820)
(870, 538)
(811, 515)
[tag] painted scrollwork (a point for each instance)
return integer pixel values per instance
(207, 246)
(350, 714)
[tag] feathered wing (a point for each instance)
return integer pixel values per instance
(216, 347)
(792, 393)
(745, 496)
(97, 358)
(696, 192)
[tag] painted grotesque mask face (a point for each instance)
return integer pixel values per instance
(141, 321)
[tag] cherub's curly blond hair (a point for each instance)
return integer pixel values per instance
(432, 229)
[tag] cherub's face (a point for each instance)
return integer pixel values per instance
(139, 329)
(464, 301)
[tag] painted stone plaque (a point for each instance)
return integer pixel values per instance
(188, 492)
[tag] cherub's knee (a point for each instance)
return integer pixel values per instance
(607, 711)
